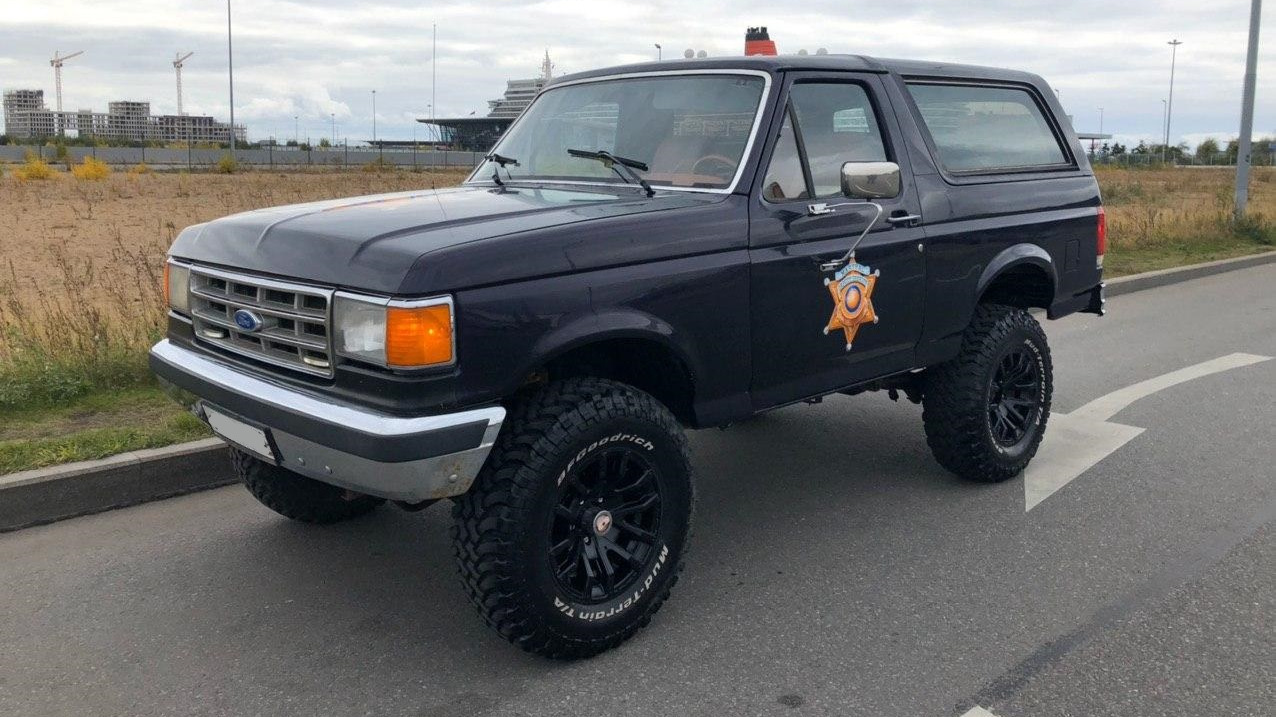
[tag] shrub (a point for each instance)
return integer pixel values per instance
(227, 165)
(34, 169)
(91, 169)
(140, 168)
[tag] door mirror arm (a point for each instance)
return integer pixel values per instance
(864, 181)
(818, 209)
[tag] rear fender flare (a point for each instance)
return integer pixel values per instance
(1017, 255)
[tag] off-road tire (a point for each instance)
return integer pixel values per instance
(502, 527)
(955, 407)
(296, 496)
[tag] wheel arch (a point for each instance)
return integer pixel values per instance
(627, 346)
(1023, 276)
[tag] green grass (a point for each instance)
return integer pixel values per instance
(94, 425)
(1152, 257)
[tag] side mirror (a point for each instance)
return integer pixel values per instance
(870, 180)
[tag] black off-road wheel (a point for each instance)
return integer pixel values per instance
(573, 533)
(296, 496)
(985, 411)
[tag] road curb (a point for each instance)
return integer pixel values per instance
(1164, 277)
(45, 495)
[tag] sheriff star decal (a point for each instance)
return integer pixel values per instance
(852, 290)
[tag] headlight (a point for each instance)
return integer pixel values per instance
(393, 333)
(177, 279)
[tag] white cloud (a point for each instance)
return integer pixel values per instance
(324, 57)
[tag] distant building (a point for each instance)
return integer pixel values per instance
(26, 117)
(478, 134)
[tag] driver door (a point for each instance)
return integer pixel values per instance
(802, 345)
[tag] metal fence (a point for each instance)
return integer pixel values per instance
(194, 158)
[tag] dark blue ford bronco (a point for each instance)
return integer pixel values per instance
(647, 249)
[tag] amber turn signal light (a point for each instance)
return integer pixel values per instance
(418, 336)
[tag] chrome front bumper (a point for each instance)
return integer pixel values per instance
(401, 458)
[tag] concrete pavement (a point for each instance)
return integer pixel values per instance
(836, 570)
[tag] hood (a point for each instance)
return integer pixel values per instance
(371, 243)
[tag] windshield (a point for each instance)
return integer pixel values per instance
(674, 131)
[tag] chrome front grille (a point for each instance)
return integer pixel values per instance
(285, 324)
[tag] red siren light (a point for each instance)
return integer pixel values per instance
(758, 42)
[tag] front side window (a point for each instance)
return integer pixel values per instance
(982, 129)
(689, 130)
(838, 126)
(832, 123)
(784, 177)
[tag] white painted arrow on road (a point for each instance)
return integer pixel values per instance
(1076, 441)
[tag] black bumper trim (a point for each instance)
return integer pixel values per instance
(386, 449)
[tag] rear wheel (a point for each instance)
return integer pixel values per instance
(296, 496)
(985, 411)
(573, 534)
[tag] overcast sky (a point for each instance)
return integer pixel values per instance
(321, 58)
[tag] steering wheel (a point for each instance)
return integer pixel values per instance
(715, 161)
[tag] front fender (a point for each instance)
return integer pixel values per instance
(616, 323)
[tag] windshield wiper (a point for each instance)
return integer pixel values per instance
(501, 161)
(622, 165)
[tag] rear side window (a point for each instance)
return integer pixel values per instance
(987, 129)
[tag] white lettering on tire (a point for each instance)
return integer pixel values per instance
(619, 437)
(623, 605)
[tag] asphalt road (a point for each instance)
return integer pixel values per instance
(836, 570)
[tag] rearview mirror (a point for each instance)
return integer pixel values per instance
(870, 180)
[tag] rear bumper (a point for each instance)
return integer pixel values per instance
(1091, 301)
(397, 457)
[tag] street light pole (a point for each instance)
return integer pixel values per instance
(230, 65)
(1169, 108)
(434, 68)
(1164, 119)
(296, 131)
(660, 52)
(1247, 112)
(374, 121)
(333, 115)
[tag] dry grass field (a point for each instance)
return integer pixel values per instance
(101, 228)
(65, 237)
(81, 262)
(1159, 218)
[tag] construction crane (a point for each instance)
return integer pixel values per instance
(177, 65)
(56, 64)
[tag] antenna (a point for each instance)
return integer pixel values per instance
(56, 64)
(177, 65)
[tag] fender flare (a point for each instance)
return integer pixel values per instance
(1018, 255)
(617, 323)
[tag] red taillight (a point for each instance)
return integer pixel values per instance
(1101, 236)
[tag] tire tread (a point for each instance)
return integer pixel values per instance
(953, 403)
(487, 520)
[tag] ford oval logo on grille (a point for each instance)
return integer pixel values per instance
(248, 321)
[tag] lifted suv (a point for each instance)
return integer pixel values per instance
(648, 248)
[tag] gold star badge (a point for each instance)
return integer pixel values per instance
(852, 290)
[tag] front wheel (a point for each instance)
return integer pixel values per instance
(573, 534)
(985, 411)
